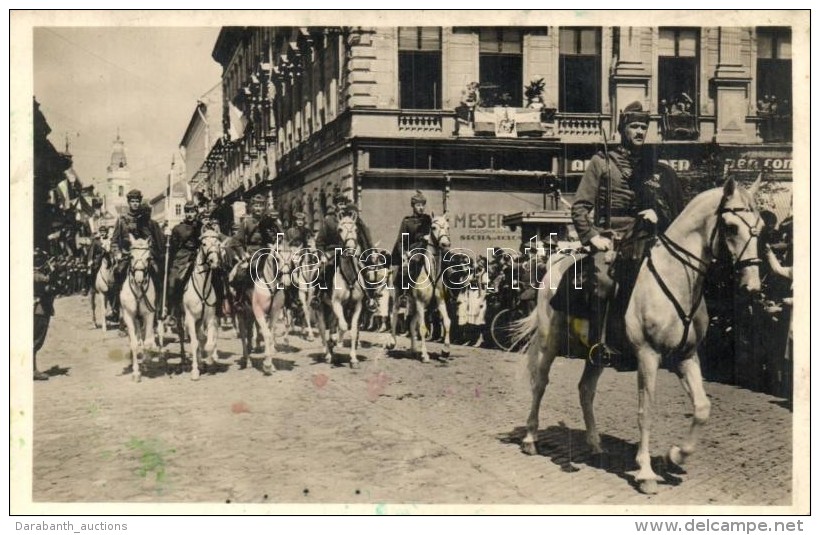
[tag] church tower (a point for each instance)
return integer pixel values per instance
(118, 179)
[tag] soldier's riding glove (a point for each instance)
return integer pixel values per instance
(600, 243)
(649, 215)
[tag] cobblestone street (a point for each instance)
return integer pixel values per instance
(394, 431)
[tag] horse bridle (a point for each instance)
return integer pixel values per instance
(212, 249)
(350, 243)
(738, 262)
(437, 238)
(140, 265)
(686, 258)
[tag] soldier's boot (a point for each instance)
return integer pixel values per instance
(219, 292)
(325, 286)
(38, 375)
(600, 354)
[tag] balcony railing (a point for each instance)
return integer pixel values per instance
(579, 125)
(774, 128)
(419, 122)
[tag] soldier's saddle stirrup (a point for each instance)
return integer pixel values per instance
(602, 355)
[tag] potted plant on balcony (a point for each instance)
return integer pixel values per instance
(534, 91)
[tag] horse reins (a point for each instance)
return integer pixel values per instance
(140, 291)
(682, 255)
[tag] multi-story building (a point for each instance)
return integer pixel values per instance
(487, 120)
(203, 132)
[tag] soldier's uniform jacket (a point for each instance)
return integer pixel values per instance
(254, 234)
(298, 236)
(141, 226)
(638, 183)
(184, 244)
(416, 227)
(328, 237)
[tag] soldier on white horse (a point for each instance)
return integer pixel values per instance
(304, 268)
(664, 315)
(101, 269)
(252, 279)
(200, 298)
(137, 223)
(345, 290)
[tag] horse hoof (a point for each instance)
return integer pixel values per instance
(648, 486)
(425, 359)
(268, 369)
(195, 377)
(390, 346)
(354, 364)
(676, 456)
(529, 448)
(136, 378)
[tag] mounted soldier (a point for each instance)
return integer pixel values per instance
(99, 248)
(137, 223)
(298, 236)
(417, 227)
(328, 239)
(257, 230)
(624, 200)
(183, 248)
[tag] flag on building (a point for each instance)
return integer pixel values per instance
(238, 122)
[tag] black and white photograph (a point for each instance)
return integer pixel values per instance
(325, 262)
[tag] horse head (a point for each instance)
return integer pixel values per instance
(440, 231)
(210, 248)
(738, 227)
(348, 232)
(140, 258)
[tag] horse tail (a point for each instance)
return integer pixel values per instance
(523, 331)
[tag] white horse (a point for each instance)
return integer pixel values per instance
(305, 271)
(666, 316)
(137, 301)
(199, 300)
(426, 290)
(103, 288)
(344, 294)
(263, 303)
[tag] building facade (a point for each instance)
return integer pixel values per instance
(203, 132)
(488, 120)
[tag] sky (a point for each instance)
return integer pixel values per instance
(143, 82)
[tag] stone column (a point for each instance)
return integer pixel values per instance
(631, 71)
(732, 83)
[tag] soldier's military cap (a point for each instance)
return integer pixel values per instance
(340, 198)
(418, 198)
(299, 216)
(190, 205)
(633, 113)
(258, 199)
(134, 194)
